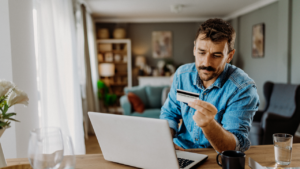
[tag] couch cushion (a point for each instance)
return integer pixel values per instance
(152, 113)
(154, 94)
(140, 92)
(136, 102)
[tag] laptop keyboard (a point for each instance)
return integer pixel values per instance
(184, 162)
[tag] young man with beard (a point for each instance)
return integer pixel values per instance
(228, 98)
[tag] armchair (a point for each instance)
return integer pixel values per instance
(281, 113)
(152, 96)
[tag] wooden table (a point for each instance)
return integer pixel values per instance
(261, 154)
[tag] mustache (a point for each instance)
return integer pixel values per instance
(208, 68)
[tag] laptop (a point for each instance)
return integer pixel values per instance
(140, 142)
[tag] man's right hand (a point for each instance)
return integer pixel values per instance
(177, 147)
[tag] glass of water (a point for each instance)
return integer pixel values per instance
(283, 144)
(46, 148)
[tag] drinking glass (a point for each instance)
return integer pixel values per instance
(283, 144)
(32, 146)
(69, 159)
(46, 148)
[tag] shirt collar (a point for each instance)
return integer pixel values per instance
(218, 83)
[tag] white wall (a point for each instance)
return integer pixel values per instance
(260, 69)
(17, 49)
(24, 69)
(8, 139)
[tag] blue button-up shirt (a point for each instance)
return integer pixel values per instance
(234, 94)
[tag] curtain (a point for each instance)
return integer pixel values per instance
(87, 63)
(58, 75)
(91, 36)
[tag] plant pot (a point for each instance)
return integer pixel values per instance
(2, 131)
(2, 158)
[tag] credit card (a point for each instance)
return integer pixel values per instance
(185, 96)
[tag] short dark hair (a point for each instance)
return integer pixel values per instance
(217, 30)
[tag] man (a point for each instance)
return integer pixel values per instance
(228, 99)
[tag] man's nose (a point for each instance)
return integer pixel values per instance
(206, 61)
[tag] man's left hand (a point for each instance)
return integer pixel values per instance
(205, 112)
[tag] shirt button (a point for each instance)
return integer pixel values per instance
(204, 93)
(196, 139)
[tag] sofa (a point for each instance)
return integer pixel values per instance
(153, 98)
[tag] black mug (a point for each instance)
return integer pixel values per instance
(232, 159)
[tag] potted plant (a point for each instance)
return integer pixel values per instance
(9, 96)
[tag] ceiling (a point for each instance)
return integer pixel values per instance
(160, 10)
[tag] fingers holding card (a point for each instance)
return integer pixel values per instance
(185, 96)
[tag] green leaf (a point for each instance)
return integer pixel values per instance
(2, 124)
(7, 115)
(13, 119)
(5, 108)
(2, 99)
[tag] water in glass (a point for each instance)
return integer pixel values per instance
(283, 148)
(283, 154)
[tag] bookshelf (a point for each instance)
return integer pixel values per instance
(117, 52)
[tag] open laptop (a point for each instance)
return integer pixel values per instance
(140, 142)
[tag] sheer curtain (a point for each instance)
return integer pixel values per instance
(59, 86)
(88, 64)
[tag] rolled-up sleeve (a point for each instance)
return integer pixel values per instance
(239, 113)
(170, 111)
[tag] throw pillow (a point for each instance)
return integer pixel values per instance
(136, 102)
(140, 92)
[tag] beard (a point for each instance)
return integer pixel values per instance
(207, 76)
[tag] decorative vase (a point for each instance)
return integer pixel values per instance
(119, 33)
(2, 158)
(2, 131)
(103, 33)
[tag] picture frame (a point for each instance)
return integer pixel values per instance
(162, 44)
(258, 40)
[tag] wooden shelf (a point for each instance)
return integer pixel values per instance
(117, 63)
(120, 94)
(123, 74)
(123, 70)
(120, 51)
(120, 63)
(113, 51)
(119, 84)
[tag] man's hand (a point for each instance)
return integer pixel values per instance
(218, 137)
(177, 147)
(205, 112)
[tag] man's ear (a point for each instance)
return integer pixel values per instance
(230, 56)
(194, 48)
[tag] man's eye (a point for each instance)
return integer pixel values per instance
(217, 56)
(201, 53)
